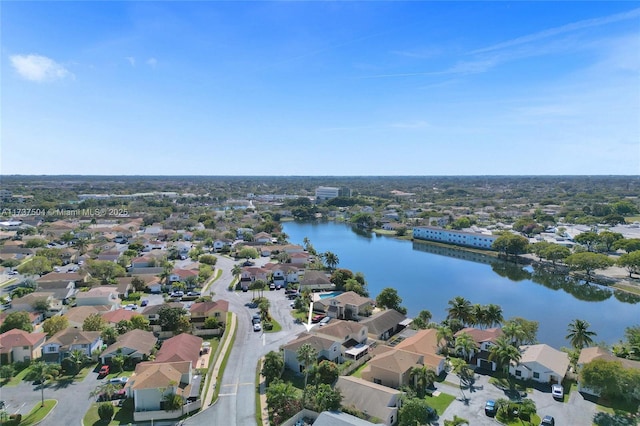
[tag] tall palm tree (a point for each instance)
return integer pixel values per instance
(81, 245)
(514, 333)
(444, 335)
(459, 308)
(465, 345)
(44, 372)
(78, 358)
(478, 316)
(107, 389)
(579, 334)
(307, 355)
(493, 315)
(422, 377)
(504, 353)
(331, 260)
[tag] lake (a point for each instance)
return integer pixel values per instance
(428, 276)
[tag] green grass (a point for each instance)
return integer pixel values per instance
(440, 402)
(627, 288)
(617, 406)
(358, 371)
(535, 421)
(38, 412)
(276, 326)
(223, 365)
(121, 416)
(258, 405)
(297, 380)
(18, 378)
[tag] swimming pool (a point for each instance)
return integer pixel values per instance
(332, 294)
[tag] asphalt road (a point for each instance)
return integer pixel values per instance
(236, 402)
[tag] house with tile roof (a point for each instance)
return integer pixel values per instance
(61, 344)
(384, 324)
(541, 363)
(425, 343)
(588, 355)
(115, 316)
(391, 367)
(78, 314)
(137, 345)
(484, 339)
(200, 311)
(28, 302)
(183, 347)
(315, 280)
(375, 400)
(327, 349)
(20, 346)
(348, 305)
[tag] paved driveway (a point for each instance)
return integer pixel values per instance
(576, 412)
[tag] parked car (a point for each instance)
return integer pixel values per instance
(119, 380)
(193, 293)
(178, 293)
(13, 272)
(557, 391)
(104, 370)
(144, 302)
(324, 321)
(548, 421)
(257, 327)
(317, 318)
(490, 408)
(131, 307)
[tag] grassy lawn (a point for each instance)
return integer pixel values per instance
(276, 326)
(503, 382)
(628, 288)
(302, 316)
(358, 372)
(122, 415)
(38, 413)
(296, 380)
(617, 406)
(18, 378)
(535, 421)
(440, 402)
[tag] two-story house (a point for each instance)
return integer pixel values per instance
(20, 346)
(326, 348)
(96, 296)
(61, 344)
(348, 305)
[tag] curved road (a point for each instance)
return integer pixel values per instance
(236, 402)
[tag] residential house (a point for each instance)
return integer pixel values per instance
(391, 367)
(348, 305)
(103, 295)
(79, 278)
(35, 318)
(115, 316)
(61, 344)
(183, 347)
(153, 381)
(541, 363)
(299, 259)
(425, 343)
(348, 333)
(151, 311)
(251, 274)
(62, 290)
(124, 286)
(373, 400)
(136, 345)
(19, 346)
(9, 252)
(28, 301)
(78, 314)
(327, 349)
(315, 280)
(483, 339)
(200, 311)
(284, 273)
(384, 324)
(338, 418)
(292, 248)
(591, 354)
(185, 276)
(110, 256)
(262, 238)
(221, 244)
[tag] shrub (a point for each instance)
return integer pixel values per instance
(268, 326)
(105, 411)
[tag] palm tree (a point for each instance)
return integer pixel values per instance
(459, 308)
(504, 353)
(107, 389)
(444, 336)
(236, 270)
(263, 306)
(493, 315)
(307, 355)
(422, 377)
(81, 245)
(78, 358)
(478, 316)
(579, 335)
(514, 333)
(465, 345)
(331, 260)
(44, 372)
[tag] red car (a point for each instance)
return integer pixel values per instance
(317, 318)
(104, 370)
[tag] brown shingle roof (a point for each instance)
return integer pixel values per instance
(183, 347)
(318, 342)
(589, 354)
(341, 329)
(204, 307)
(139, 340)
(479, 336)
(69, 336)
(423, 342)
(118, 315)
(383, 321)
(152, 375)
(396, 360)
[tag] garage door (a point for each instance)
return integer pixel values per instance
(485, 365)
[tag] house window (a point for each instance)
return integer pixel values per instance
(85, 346)
(518, 373)
(51, 349)
(377, 381)
(536, 375)
(216, 314)
(26, 348)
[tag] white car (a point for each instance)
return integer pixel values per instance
(257, 327)
(557, 391)
(119, 380)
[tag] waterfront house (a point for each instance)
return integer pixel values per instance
(384, 324)
(588, 355)
(483, 339)
(425, 343)
(315, 280)
(327, 349)
(541, 363)
(348, 305)
(391, 367)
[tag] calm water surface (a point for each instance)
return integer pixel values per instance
(427, 277)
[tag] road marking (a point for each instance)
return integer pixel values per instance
(264, 339)
(227, 394)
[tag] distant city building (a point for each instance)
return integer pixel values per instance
(324, 193)
(450, 236)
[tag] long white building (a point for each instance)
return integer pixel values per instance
(451, 236)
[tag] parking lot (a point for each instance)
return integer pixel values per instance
(577, 411)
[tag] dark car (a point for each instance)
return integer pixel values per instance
(144, 302)
(432, 414)
(490, 408)
(548, 421)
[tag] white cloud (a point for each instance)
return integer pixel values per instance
(152, 62)
(39, 68)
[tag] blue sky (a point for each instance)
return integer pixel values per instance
(320, 88)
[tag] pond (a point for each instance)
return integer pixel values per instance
(428, 276)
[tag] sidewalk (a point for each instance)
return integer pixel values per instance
(263, 395)
(218, 362)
